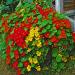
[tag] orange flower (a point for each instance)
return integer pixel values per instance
(54, 39)
(8, 59)
(63, 34)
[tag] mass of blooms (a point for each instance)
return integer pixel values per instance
(30, 33)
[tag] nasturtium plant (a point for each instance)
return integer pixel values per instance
(32, 32)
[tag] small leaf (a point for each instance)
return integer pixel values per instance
(54, 65)
(58, 58)
(50, 16)
(32, 65)
(61, 65)
(0, 23)
(20, 64)
(39, 23)
(54, 52)
(48, 26)
(44, 23)
(39, 16)
(2, 45)
(44, 31)
(12, 55)
(50, 22)
(9, 1)
(3, 56)
(4, 15)
(25, 16)
(20, 50)
(23, 59)
(58, 32)
(23, 70)
(50, 43)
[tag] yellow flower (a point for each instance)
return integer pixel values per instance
(60, 55)
(29, 68)
(31, 35)
(37, 38)
(64, 59)
(36, 34)
(38, 68)
(72, 57)
(31, 60)
(32, 30)
(21, 10)
(38, 44)
(26, 41)
(28, 50)
(29, 39)
(38, 53)
(35, 61)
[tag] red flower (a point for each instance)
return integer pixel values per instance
(51, 10)
(46, 42)
(54, 39)
(29, 19)
(22, 24)
(7, 38)
(12, 44)
(41, 36)
(34, 11)
(64, 46)
(41, 29)
(46, 12)
(35, 21)
(8, 50)
(16, 24)
(23, 54)
(26, 63)
(19, 71)
(46, 35)
(24, 45)
(5, 25)
(63, 34)
(67, 23)
(17, 30)
(28, 25)
(38, 7)
(54, 19)
(15, 64)
(73, 35)
(24, 33)
(57, 24)
(18, 36)
(3, 19)
(16, 54)
(8, 59)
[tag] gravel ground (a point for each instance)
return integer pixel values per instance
(4, 70)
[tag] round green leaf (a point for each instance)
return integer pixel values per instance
(58, 58)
